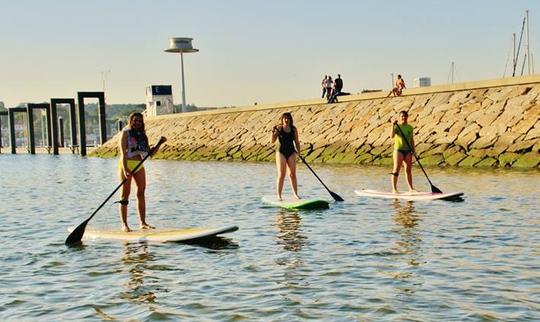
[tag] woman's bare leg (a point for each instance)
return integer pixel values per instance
(408, 171)
(122, 208)
(398, 159)
(281, 164)
(140, 181)
(291, 164)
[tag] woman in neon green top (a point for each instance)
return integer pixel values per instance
(403, 150)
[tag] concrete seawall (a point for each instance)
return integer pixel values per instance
(494, 123)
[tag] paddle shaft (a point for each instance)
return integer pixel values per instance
(433, 188)
(77, 234)
(333, 194)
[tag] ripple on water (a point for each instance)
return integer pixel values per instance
(361, 259)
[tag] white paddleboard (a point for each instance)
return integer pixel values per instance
(409, 195)
(301, 204)
(159, 235)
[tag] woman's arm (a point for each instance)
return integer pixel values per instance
(122, 146)
(275, 133)
(296, 140)
(158, 145)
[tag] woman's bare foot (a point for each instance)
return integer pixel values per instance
(125, 228)
(279, 198)
(297, 197)
(395, 191)
(147, 226)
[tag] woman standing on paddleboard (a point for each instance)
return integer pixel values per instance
(403, 150)
(288, 147)
(133, 148)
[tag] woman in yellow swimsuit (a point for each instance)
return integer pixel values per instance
(403, 150)
(133, 148)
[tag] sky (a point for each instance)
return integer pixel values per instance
(251, 50)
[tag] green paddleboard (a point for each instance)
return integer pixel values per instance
(302, 204)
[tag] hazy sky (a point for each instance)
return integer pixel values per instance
(250, 51)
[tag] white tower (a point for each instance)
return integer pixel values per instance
(159, 100)
(181, 45)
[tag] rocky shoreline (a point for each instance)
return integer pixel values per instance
(483, 124)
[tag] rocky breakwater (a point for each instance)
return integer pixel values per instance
(482, 124)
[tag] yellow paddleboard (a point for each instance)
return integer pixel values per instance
(159, 235)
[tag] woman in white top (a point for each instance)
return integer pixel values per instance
(133, 148)
(329, 87)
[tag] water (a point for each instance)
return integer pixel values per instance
(363, 259)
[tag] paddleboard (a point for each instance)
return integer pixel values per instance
(410, 195)
(159, 235)
(302, 204)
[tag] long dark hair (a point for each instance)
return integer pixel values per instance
(134, 115)
(288, 115)
(142, 130)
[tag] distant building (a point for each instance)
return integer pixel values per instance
(159, 100)
(422, 82)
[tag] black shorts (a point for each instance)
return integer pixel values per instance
(405, 152)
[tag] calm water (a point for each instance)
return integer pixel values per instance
(367, 260)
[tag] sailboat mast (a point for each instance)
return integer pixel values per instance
(528, 44)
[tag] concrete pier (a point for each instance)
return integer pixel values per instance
(492, 123)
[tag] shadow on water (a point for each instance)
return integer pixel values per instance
(214, 243)
(455, 199)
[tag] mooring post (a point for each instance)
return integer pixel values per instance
(30, 126)
(61, 130)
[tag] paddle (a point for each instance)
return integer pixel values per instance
(77, 234)
(433, 188)
(333, 194)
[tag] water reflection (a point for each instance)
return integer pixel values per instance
(405, 214)
(290, 238)
(408, 246)
(136, 259)
(289, 235)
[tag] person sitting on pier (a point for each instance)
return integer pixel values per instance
(398, 88)
(338, 86)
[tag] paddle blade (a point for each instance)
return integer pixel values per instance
(435, 189)
(76, 235)
(335, 196)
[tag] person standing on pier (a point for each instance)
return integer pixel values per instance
(289, 145)
(329, 87)
(323, 85)
(133, 148)
(403, 150)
